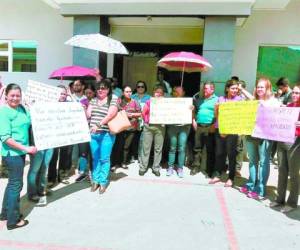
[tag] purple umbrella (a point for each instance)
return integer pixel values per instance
(73, 72)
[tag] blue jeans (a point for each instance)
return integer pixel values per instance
(11, 199)
(259, 152)
(101, 147)
(178, 137)
(37, 174)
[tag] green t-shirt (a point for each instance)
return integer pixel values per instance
(206, 110)
(15, 124)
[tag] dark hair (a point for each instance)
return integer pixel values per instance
(159, 86)
(12, 86)
(91, 87)
(236, 78)
(243, 83)
(143, 82)
(71, 84)
(228, 84)
(107, 84)
(283, 81)
(81, 81)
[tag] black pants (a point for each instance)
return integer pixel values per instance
(120, 151)
(65, 162)
(226, 147)
(134, 148)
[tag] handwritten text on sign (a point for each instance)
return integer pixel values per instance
(237, 117)
(276, 123)
(58, 124)
(40, 92)
(171, 110)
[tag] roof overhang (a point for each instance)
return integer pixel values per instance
(241, 8)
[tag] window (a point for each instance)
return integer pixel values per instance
(277, 61)
(18, 56)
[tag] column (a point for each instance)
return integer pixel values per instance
(218, 45)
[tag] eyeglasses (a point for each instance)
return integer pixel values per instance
(140, 87)
(296, 92)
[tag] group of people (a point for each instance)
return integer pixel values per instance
(106, 152)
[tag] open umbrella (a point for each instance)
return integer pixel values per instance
(185, 62)
(73, 72)
(98, 42)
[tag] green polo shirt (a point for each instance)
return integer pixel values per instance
(15, 124)
(206, 110)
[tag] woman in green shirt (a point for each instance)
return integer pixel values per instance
(14, 135)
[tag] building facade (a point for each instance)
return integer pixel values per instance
(238, 37)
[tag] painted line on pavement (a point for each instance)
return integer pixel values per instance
(233, 244)
(41, 246)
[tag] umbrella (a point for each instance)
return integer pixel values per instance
(98, 42)
(185, 62)
(73, 72)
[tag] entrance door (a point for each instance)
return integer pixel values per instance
(137, 68)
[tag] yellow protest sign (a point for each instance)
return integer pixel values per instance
(237, 117)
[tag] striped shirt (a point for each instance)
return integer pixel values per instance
(100, 111)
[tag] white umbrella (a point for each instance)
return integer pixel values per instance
(98, 42)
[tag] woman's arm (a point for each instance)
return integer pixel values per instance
(245, 93)
(13, 144)
(112, 112)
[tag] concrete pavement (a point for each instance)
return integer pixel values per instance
(148, 212)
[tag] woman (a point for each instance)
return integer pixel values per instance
(64, 154)
(141, 96)
(100, 111)
(178, 135)
(259, 150)
(288, 165)
(124, 139)
(226, 144)
(14, 134)
(152, 132)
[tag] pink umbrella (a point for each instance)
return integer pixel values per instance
(185, 62)
(73, 72)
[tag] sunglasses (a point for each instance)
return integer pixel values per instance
(140, 87)
(102, 88)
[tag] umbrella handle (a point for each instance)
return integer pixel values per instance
(182, 74)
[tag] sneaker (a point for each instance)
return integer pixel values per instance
(169, 171)
(124, 166)
(275, 204)
(42, 201)
(81, 177)
(244, 190)
(156, 173)
(287, 209)
(180, 172)
(34, 198)
(142, 172)
(253, 195)
(195, 170)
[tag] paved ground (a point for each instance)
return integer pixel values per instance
(147, 212)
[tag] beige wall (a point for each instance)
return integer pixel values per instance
(264, 27)
(35, 20)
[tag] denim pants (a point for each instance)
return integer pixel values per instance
(288, 166)
(83, 149)
(37, 174)
(11, 199)
(178, 138)
(259, 152)
(101, 147)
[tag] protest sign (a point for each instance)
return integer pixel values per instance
(171, 110)
(237, 117)
(40, 92)
(58, 124)
(276, 123)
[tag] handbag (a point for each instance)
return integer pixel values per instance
(119, 123)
